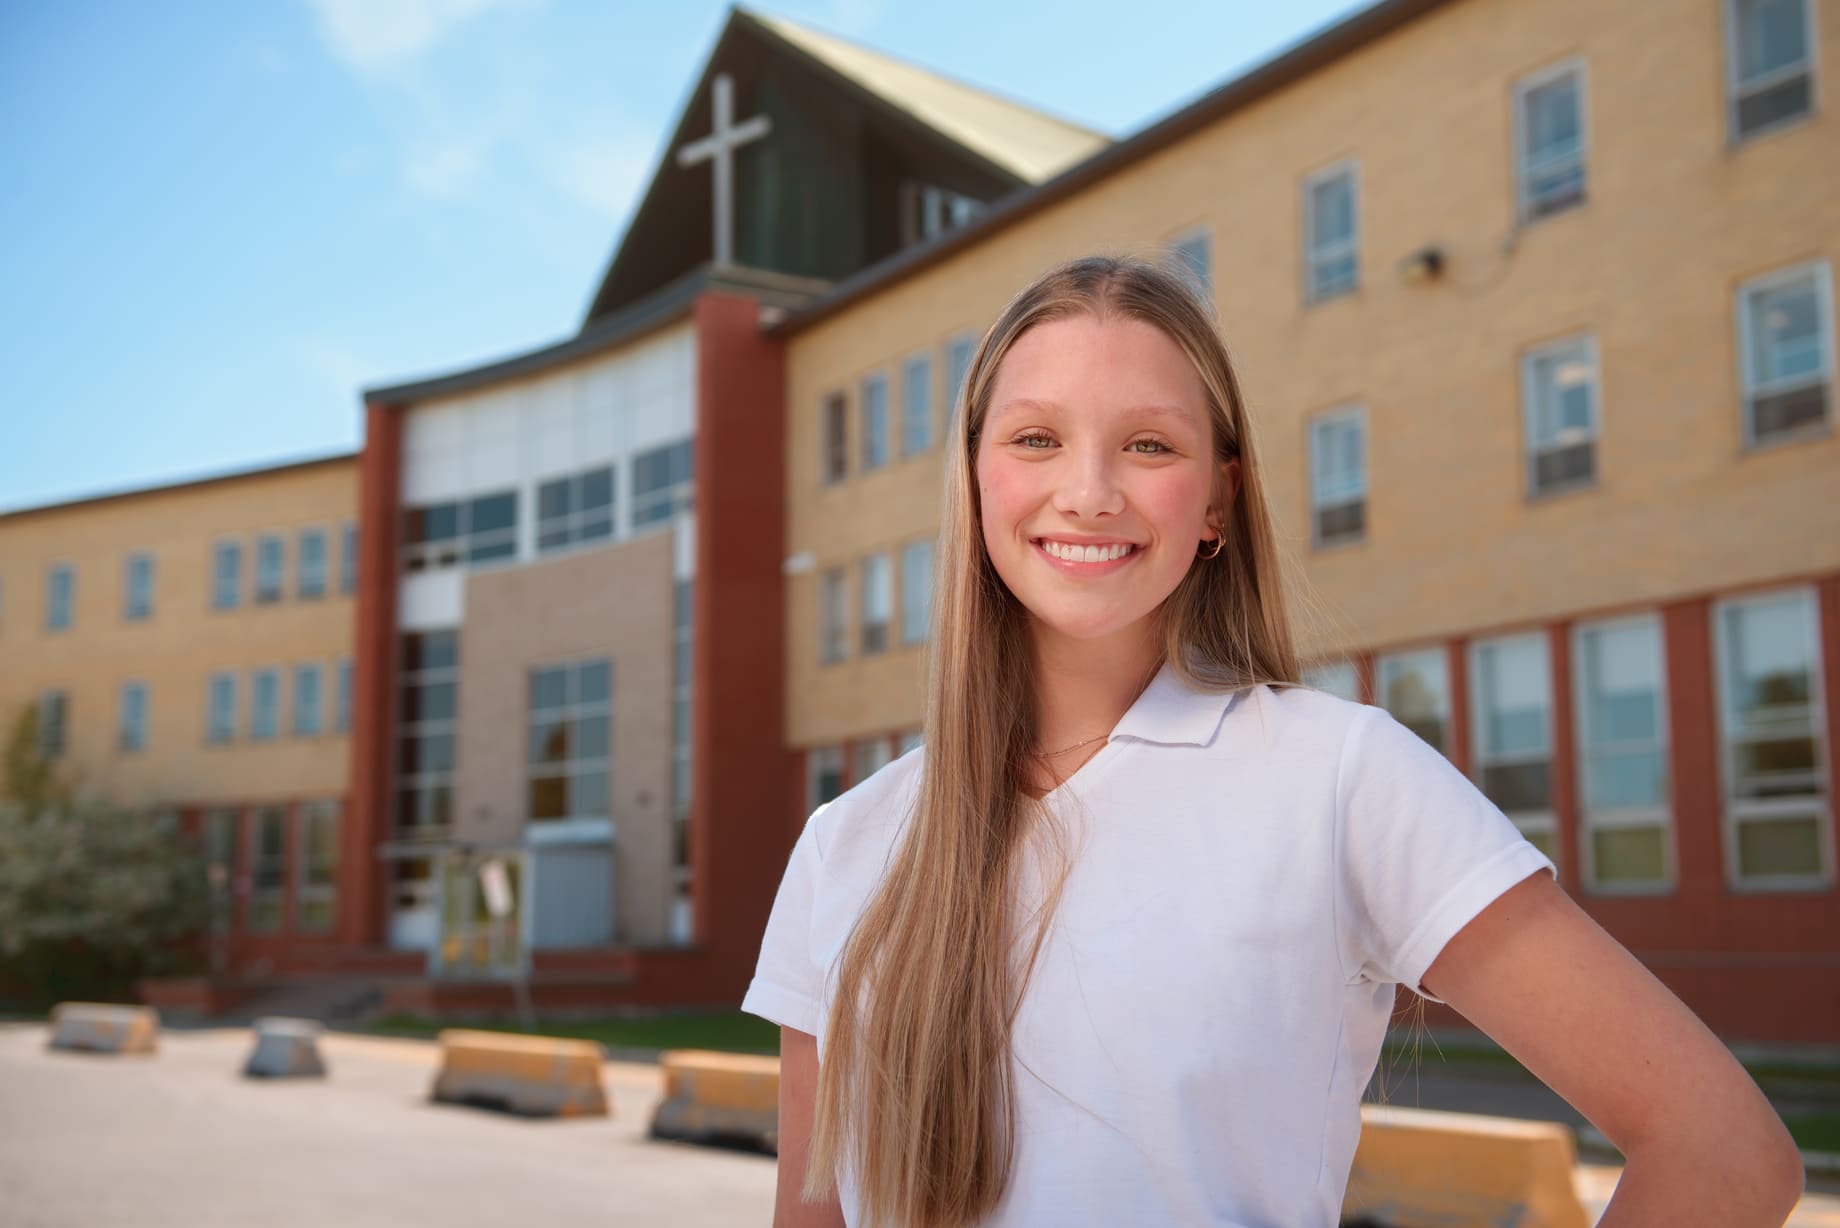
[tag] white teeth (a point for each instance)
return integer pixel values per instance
(1086, 554)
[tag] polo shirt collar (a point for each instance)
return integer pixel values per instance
(1173, 713)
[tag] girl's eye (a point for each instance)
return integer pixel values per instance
(1031, 437)
(1159, 446)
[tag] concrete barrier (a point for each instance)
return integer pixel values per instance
(536, 1076)
(105, 1027)
(1461, 1170)
(285, 1049)
(719, 1098)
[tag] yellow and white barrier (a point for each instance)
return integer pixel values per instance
(285, 1048)
(537, 1076)
(1459, 1170)
(719, 1097)
(105, 1027)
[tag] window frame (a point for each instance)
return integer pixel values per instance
(875, 585)
(1351, 167)
(572, 527)
(833, 438)
(1735, 88)
(131, 610)
(1525, 85)
(303, 591)
(60, 615)
(815, 760)
(833, 639)
(1447, 716)
(215, 734)
(424, 781)
(58, 699)
(1177, 244)
(1529, 822)
(572, 712)
(1356, 412)
(921, 360)
(131, 736)
(317, 725)
(1590, 822)
(348, 558)
(307, 889)
(231, 548)
(1321, 670)
(258, 595)
(1729, 818)
(673, 497)
(1748, 391)
(257, 676)
(1530, 458)
(916, 623)
(952, 389)
(260, 866)
(866, 462)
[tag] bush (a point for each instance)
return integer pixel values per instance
(93, 897)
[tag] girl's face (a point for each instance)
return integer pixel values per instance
(1096, 473)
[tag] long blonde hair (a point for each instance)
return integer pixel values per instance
(915, 1091)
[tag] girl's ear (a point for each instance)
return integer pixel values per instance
(1228, 486)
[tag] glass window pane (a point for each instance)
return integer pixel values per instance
(597, 488)
(549, 742)
(1415, 688)
(591, 739)
(588, 796)
(555, 499)
(594, 682)
(1786, 334)
(1625, 780)
(549, 798)
(1771, 35)
(1779, 846)
(490, 512)
(1629, 855)
(1518, 787)
(549, 688)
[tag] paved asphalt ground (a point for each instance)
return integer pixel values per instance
(180, 1139)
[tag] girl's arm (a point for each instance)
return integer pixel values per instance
(798, 1088)
(1702, 1145)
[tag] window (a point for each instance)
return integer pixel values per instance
(1415, 688)
(1769, 72)
(1338, 478)
(131, 727)
(137, 588)
(959, 351)
(1560, 400)
(1331, 234)
(1192, 257)
(220, 708)
(928, 211)
(309, 702)
(681, 664)
(268, 887)
(910, 741)
(1785, 337)
(916, 591)
(341, 704)
(222, 862)
(868, 757)
(226, 575)
(916, 404)
(271, 568)
(53, 724)
(571, 741)
(1771, 734)
(310, 585)
(264, 704)
(477, 530)
(833, 616)
(661, 482)
(1620, 717)
(1335, 677)
(826, 780)
(60, 596)
(834, 426)
(316, 866)
(429, 704)
(1510, 690)
(875, 422)
(1549, 137)
(348, 558)
(575, 509)
(877, 603)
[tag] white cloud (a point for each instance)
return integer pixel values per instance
(447, 170)
(334, 363)
(604, 173)
(367, 35)
(854, 18)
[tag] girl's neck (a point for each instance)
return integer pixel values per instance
(1083, 687)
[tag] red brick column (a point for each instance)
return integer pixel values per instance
(365, 823)
(1565, 804)
(1457, 657)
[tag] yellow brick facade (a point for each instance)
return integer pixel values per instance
(1675, 219)
(185, 640)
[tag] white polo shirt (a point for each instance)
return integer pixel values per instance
(1251, 875)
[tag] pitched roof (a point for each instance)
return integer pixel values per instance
(1029, 143)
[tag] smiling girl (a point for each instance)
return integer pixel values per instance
(1118, 944)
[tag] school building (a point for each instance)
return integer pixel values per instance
(1533, 307)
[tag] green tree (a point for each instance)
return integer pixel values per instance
(91, 896)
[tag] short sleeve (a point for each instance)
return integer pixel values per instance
(788, 986)
(1419, 852)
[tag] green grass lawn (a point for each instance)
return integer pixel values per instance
(730, 1031)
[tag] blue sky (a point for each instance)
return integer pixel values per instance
(223, 219)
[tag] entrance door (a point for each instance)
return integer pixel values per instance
(414, 925)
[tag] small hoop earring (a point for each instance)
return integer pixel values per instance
(1219, 544)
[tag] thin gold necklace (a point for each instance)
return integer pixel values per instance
(1049, 754)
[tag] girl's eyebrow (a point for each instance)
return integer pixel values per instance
(1178, 412)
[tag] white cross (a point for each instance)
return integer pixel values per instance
(719, 146)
